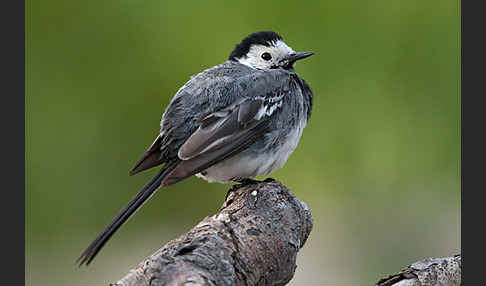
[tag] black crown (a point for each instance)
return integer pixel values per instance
(265, 38)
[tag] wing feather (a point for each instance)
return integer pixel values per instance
(238, 113)
(152, 157)
(219, 136)
(204, 160)
(218, 128)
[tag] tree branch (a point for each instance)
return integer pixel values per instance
(429, 272)
(252, 240)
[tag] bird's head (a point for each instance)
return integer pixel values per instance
(266, 50)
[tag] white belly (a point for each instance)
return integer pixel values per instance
(246, 165)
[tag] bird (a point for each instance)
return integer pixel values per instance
(229, 123)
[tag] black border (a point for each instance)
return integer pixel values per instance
(12, 120)
(473, 142)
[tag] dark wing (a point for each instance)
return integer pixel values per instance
(217, 129)
(152, 157)
(212, 118)
(223, 134)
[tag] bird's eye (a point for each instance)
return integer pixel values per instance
(266, 56)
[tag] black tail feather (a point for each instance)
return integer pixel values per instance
(143, 195)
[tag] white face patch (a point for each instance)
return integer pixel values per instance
(278, 50)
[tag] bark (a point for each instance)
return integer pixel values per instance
(429, 272)
(252, 240)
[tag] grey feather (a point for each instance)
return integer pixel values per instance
(213, 109)
(216, 89)
(249, 109)
(152, 157)
(221, 129)
(202, 117)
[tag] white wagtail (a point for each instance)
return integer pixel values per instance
(231, 122)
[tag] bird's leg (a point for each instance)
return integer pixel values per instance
(242, 182)
(249, 181)
(245, 181)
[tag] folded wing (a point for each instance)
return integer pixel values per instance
(222, 134)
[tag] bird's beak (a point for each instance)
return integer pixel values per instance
(298, 56)
(289, 61)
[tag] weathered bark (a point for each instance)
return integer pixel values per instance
(252, 240)
(429, 272)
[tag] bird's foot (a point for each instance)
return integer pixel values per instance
(249, 181)
(241, 182)
(245, 181)
(269, 180)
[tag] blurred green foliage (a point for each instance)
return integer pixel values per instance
(379, 162)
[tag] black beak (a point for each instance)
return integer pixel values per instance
(298, 56)
(288, 62)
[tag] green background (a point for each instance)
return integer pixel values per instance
(378, 163)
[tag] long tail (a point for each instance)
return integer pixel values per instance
(143, 195)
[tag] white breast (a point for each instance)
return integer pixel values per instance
(283, 153)
(245, 165)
